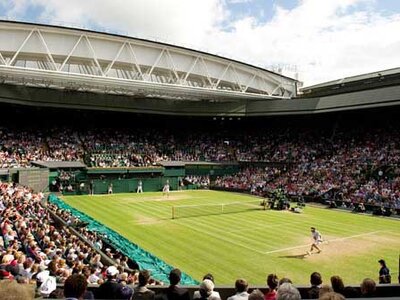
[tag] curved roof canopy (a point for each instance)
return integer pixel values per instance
(82, 60)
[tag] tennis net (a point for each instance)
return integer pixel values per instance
(184, 211)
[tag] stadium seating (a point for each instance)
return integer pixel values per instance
(354, 165)
(345, 166)
(32, 241)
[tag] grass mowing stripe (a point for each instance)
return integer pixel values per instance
(186, 243)
(247, 220)
(222, 228)
(155, 212)
(215, 228)
(218, 237)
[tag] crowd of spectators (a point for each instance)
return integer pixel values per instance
(128, 148)
(277, 289)
(253, 179)
(117, 285)
(65, 181)
(35, 248)
(359, 165)
(197, 180)
(355, 169)
(18, 147)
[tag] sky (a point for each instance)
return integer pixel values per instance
(315, 40)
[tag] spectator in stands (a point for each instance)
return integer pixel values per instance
(126, 292)
(94, 276)
(332, 296)
(256, 295)
(272, 282)
(316, 281)
(241, 287)
(132, 279)
(26, 268)
(324, 289)
(75, 287)
(205, 291)
(141, 292)
(215, 294)
(337, 284)
(127, 289)
(287, 292)
(174, 292)
(284, 280)
(96, 261)
(368, 288)
(110, 289)
(351, 292)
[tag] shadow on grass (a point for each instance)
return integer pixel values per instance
(297, 256)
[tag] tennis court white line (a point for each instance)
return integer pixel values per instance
(334, 240)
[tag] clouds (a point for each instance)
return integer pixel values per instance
(175, 20)
(180, 21)
(239, 1)
(326, 39)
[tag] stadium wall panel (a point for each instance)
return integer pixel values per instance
(36, 178)
(127, 185)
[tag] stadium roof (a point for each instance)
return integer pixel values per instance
(82, 60)
(53, 66)
(353, 83)
(344, 80)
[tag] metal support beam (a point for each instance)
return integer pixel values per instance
(124, 59)
(135, 61)
(155, 64)
(70, 53)
(2, 60)
(110, 65)
(222, 76)
(20, 47)
(94, 56)
(47, 49)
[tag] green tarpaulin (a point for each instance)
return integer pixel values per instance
(159, 269)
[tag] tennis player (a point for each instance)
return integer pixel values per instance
(317, 240)
(166, 189)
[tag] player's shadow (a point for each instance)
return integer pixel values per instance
(297, 256)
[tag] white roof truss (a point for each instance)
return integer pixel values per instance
(72, 52)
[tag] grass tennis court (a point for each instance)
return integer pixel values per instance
(249, 244)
